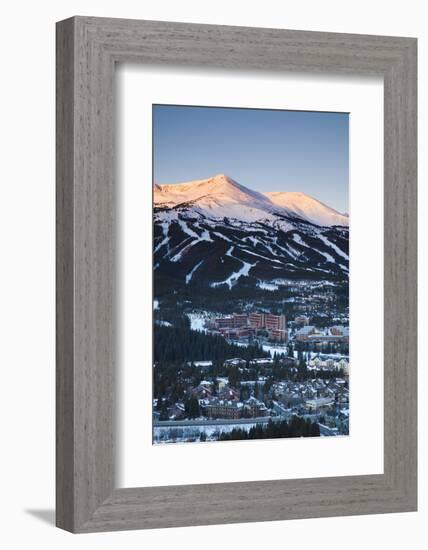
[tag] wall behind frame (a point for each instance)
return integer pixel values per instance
(27, 275)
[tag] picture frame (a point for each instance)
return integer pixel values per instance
(87, 50)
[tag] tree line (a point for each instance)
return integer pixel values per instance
(296, 427)
(173, 344)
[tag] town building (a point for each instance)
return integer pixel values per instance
(261, 361)
(243, 333)
(279, 335)
(224, 322)
(327, 338)
(328, 362)
(319, 403)
(236, 362)
(255, 408)
(200, 364)
(219, 408)
(222, 383)
(280, 410)
(176, 411)
(339, 331)
(304, 333)
(256, 320)
(240, 320)
(227, 393)
(236, 333)
(301, 320)
(249, 323)
(275, 322)
(203, 390)
(232, 409)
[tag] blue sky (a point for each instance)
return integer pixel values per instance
(265, 150)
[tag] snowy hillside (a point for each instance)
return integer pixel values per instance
(308, 208)
(219, 196)
(219, 233)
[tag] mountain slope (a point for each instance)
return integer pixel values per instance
(219, 196)
(219, 233)
(308, 208)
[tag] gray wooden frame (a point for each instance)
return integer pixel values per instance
(87, 50)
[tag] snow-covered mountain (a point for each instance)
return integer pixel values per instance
(308, 208)
(220, 233)
(221, 196)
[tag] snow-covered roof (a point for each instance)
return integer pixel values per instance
(200, 363)
(305, 330)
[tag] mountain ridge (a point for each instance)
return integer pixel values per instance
(218, 233)
(308, 207)
(222, 196)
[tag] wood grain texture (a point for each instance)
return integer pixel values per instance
(64, 276)
(87, 49)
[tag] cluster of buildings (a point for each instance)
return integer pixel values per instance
(301, 320)
(323, 401)
(312, 395)
(326, 362)
(242, 326)
(265, 362)
(263, 392)
(267, 326)
(233, 409)
(224, 403)
(335, 334)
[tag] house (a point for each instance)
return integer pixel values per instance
(221, 408)
(339, 331)
(278, 335)
(319, 403)
(176, 411)
(203, 390)
(228, 393)
(200, 364)
(255, 408)
(235, 362)
(262, 361)
(301, 320)
(305, 332)
(222, 383)
(328, 362)
(280, 410)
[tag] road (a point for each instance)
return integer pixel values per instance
(213, 422)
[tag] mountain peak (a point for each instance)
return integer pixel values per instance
(221, 179)
(221, 196)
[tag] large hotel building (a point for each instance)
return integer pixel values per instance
(275, 322)
(267, 321)
(242, 324)
(256, 320)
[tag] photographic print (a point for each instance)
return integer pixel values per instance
(250, 274)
